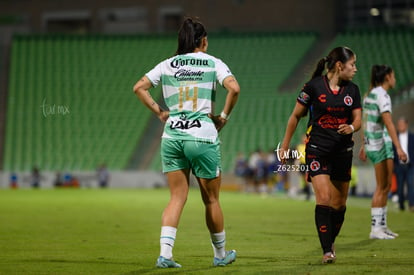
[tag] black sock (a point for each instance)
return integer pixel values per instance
(324, 226)
(337, 219)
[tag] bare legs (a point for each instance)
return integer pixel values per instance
(330, 193)
(178, 182)
(383, 175)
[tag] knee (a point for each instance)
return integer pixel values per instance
(210, 200)
(339, 206)
(323, 199)
(178, 198)
(383, 188)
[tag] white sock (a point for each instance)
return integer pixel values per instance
(218, 241)
(378, 219)
(167, 240)
(385, 210)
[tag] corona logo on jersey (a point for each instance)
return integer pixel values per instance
(348, 100)
(177, 63)
(315, 165)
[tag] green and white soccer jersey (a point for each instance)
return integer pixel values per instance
(376, 134)
(189, 86)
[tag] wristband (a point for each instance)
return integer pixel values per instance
(352, 127)
(224, 115)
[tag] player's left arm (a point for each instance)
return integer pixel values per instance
(346, 129)
(392, 132)
(233, 89)
(141, 89)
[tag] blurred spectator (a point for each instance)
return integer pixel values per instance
(35, 177)
(258, 168)
(58, 180)
(241, 169)
(252, 164)
(74, 182)
(13, 181)
(271, 160)
(405, 170)
(103, 176)
(67, 179)
(354, 181)
(262, 172)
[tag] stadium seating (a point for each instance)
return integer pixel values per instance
(71, 106)
(389, 46)
(70, 102)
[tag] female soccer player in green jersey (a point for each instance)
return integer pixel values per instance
(380, 133)
(190, 139)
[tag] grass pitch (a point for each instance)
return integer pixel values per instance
(91, 231)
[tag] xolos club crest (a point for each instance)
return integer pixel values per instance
(315, 165)
(348, 100)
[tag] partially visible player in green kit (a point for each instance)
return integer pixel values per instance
(190, 139)
(379, 135)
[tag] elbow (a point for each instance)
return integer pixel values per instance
(235, 90)
(137, 89)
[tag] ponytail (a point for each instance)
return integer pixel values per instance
(378, 74)
(190, 35)
(342, 54)
(320, 67)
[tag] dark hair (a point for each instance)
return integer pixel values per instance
(403, 118)
(378, 74)
(190, 35)
(342, 54)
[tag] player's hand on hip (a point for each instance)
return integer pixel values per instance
(218, 121)
(163, 116)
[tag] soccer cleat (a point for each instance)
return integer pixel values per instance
(389, 232)
(228, 259)
(328, 258)
(381, 235)
(166, 263)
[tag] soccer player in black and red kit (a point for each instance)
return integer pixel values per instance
(334, 105)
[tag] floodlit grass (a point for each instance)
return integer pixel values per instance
(90, 231)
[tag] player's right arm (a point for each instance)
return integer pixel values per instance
(141, 89)
(298, 112)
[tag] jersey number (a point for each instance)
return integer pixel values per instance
(193, 98)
